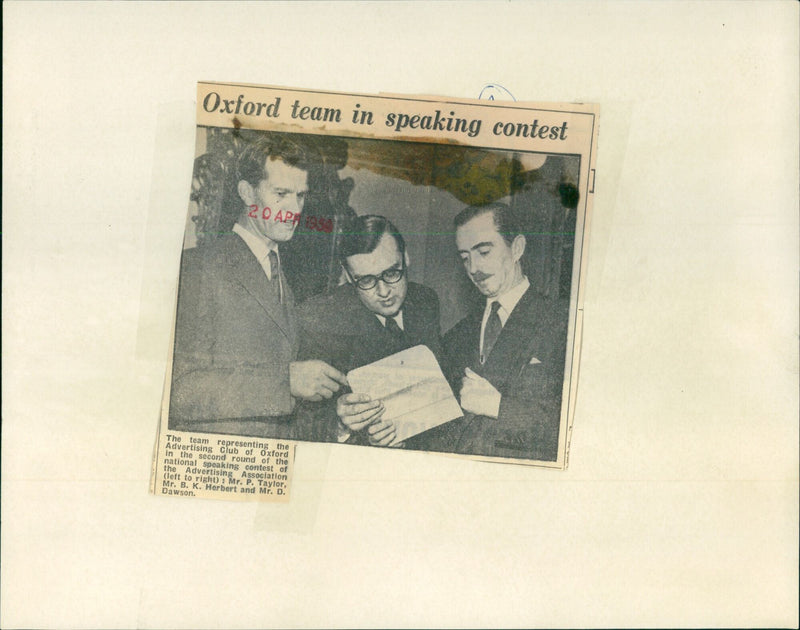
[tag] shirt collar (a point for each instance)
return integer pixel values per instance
(509, 299)
(397, 318)
(257, 245)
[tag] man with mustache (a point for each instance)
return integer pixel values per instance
(235, 367)
(377, 313)
(507, 359)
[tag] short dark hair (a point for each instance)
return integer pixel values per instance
(361, 235)
(504, 220)
(294, 149)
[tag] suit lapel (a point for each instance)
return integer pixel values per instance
(412, 326)
(287, 311)
(363, 323)
(514, 343)
(247, 271)
(369, 338)
(472, 351)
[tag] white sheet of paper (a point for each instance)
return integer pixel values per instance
(413, 389)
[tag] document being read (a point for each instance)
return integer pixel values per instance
(413, 389)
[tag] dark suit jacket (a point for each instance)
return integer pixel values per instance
(338, 329)
(233, 345)
(526, 366)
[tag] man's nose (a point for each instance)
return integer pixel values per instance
(472, 267)
(382, 289)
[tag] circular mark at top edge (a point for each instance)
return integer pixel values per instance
(495, 92)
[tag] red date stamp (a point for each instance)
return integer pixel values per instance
(319, 224)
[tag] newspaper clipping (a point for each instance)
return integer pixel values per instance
(380, 271)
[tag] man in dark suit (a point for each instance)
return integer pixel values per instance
(506, 359)
(234, 367)
(376, 314)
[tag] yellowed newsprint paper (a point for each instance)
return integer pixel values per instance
(374, 271)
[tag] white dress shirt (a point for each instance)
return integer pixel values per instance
(397, 318)
(508, 301)
(259, 247)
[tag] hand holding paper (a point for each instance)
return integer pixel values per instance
(357, 411)
(382, 432)
(412, 389)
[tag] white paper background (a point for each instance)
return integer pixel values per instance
(680, 505)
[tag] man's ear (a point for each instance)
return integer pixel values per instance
(348, 279)
(518, 247)
(406, 259)
(246, 192)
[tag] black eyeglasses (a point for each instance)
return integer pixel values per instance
(390, 276)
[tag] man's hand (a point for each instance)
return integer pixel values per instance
(314, 380)
(479, 396)
(383, 433)
(357, 411)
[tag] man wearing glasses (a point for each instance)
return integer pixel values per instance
(376, 314)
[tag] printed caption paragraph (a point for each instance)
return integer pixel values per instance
(217, 466)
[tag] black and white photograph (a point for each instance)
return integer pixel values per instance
(366, 314)
(374, 292)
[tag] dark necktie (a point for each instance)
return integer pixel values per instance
(393, 328)
(275, 272)
(491, 332)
